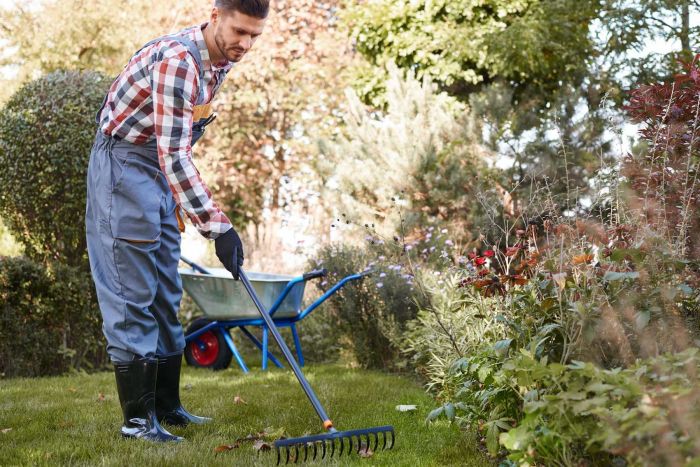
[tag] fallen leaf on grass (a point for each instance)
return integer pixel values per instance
(406, 408)
(100, 397)
(227, 447)
(239, 400)
(72, 390)
(188, 387)
(5, 430)
(365, 452)
(261, 445)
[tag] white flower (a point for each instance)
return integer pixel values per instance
(380, 285)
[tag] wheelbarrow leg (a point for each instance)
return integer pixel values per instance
(234, 350)
(264, 349)
(297, 344)
(260, 347)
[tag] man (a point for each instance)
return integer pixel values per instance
(139, 177)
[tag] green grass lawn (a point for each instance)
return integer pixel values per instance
(75, 419)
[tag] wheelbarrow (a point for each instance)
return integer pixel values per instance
(226, 305)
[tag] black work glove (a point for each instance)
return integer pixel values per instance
(229, 249)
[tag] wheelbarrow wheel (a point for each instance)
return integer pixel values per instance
(209, 350)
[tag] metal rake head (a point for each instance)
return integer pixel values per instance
(367, 441)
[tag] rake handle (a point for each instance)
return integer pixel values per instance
(327, 424)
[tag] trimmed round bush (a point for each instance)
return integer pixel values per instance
(46, 131)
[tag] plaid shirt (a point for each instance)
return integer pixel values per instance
(154, 97)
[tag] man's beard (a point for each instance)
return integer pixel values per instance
(225, 52)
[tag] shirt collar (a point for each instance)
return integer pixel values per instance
(224, 65)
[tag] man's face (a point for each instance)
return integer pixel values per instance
(235, 33)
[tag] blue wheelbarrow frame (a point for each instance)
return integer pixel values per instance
(225, 326)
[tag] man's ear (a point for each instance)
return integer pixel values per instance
(215, 15)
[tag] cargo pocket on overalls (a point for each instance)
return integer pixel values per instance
(136, 199)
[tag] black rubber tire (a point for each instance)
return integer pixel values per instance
(222, 358)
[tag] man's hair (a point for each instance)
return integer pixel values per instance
(254, 8)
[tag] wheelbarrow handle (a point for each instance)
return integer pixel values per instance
(315, 274)
(194, 266)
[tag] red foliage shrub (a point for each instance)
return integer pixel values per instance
(664, 177)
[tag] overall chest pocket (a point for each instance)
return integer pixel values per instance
(202, 116)
(136, 200)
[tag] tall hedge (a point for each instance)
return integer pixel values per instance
(46, 132)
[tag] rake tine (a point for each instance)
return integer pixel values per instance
(278, 456)
(314, 458)
(332, 447)
(383, 440)
(359, 443)
(342, 446)
(323, 456)
(366, 442)
(392, 440)
(376, 441)
(296, 453)
(287, 451)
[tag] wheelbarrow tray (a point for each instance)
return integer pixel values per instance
(220, 297)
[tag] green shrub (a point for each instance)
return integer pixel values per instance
(319, 336)
(46, 131)
(534, 314)
(554, 414)
(453, 323)
(371, 313)
(48, 319)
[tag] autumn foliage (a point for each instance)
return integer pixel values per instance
(664, 178)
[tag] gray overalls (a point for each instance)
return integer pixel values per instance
(133, 243)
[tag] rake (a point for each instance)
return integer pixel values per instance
(332, 441)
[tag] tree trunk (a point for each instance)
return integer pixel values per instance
(685, 28)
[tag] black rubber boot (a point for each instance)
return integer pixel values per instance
(136, 383)
(168, 406)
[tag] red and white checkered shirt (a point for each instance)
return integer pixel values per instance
(154, 97)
